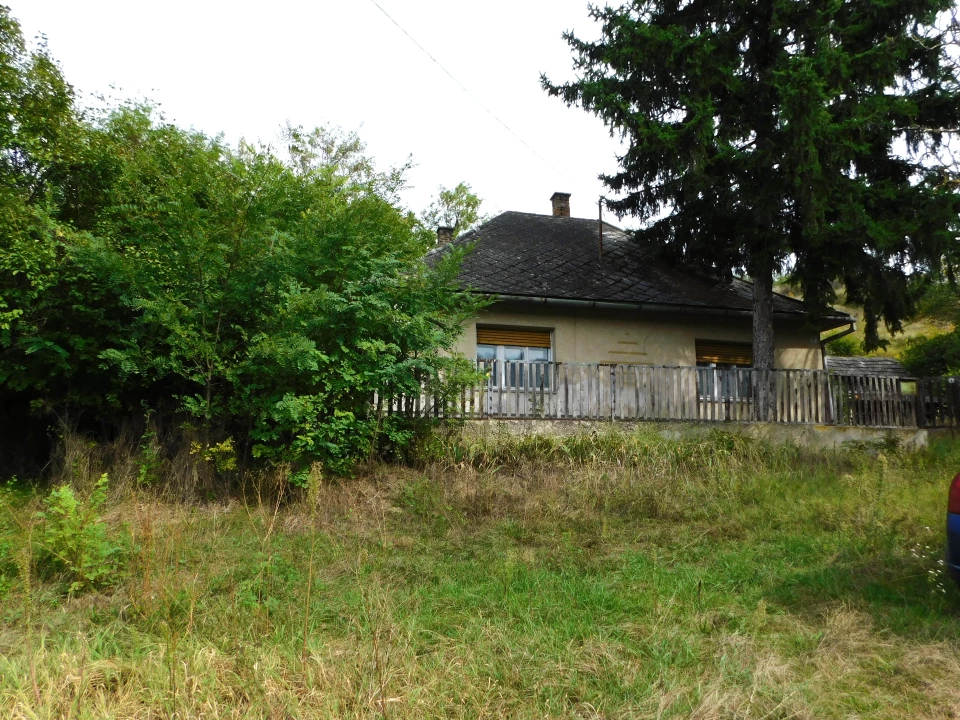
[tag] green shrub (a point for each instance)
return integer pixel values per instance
(847, 346)
(930, 356)
(150, 463)
(11, 497)
(76, 541)
(8, 562)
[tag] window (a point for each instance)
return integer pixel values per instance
(713, 355)
(522, 356)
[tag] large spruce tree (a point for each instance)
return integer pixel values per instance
(781, 135)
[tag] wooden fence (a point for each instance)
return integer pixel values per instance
(938, 402)
(643, 392)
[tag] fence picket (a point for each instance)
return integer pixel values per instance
(671, 388)
(804, 396)
(947, 405)
(884, 399)
(622, 392)
(896, 402)
(930, 404)
(938, 408)
(887, 401)
(877, 399)
(866, 402)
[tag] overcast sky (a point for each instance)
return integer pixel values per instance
(245, 69)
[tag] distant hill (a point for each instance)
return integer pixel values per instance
(852, 344)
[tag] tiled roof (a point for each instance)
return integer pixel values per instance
(882, 366)
(523, 254)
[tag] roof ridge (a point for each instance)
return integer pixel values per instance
(552, 217)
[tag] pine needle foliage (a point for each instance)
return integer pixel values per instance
(773, 136)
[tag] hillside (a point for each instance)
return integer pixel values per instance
(853, 344)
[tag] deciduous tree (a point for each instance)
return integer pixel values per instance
(37, 123)
(263, 298)
(457, 208)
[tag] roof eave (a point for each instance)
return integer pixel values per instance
(826, 323)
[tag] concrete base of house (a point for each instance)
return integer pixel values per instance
(825, 436)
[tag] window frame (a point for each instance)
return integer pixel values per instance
(716, 355)
(497, 378)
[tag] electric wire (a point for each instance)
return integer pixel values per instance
(469, 94)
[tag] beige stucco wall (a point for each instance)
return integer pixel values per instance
(636, 337)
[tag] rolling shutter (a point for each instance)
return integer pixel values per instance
(521, 337)
(725, 353)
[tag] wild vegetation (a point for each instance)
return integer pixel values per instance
(927, 345)
(206, 511)
(601, 575)
(245, 303)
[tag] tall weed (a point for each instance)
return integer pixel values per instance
(649, 448)
(8, 538)
(75, 540)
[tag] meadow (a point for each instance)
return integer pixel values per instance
(604, 575)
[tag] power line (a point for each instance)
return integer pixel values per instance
(471, 95)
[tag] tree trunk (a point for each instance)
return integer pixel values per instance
(763, 320)
(765, 389)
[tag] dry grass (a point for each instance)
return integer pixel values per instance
(606, 577)
(918, 327)
(922, 326)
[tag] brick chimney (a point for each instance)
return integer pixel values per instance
(444, 235)
(561, 204)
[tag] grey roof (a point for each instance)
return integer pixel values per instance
(527, 255)
(882, 366)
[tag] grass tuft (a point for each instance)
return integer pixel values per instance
(596, 576)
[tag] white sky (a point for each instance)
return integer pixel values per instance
(244, 69)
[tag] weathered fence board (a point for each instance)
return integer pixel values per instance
(938, 402)
(644, 392)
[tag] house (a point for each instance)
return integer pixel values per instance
(573, 290)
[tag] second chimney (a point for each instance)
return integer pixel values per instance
(561, 204)
(444, 235)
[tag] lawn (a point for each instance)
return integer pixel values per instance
(605, 576)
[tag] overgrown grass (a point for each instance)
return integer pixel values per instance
(609, 576)
(921, 326)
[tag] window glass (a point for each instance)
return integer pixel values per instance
(486, 352)
(516, 365)
(512, 356)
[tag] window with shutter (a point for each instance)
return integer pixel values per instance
(716, 356)
(516, 337)
(515, 356)
(720, 353)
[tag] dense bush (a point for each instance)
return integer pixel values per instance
(936, 355)
(256, 299)
(847, 346)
